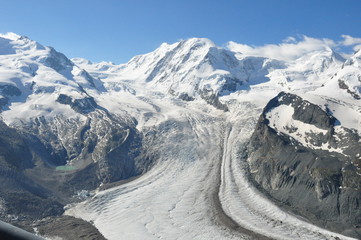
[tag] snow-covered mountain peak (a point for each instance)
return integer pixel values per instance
(354, 60)
(33, 77)
(183, 69)
(153, 110)
(11, 43)
(189, 68)
(81, 61)
(345, 83)
(336, 56)
(182, 49)
(11, 36)
(192, 66)
(318, 62)
(193, 43)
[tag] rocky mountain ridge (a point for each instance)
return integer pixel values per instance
(56, 139)
(316, 174)
(70, 126)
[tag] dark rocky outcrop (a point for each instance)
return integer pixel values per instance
(63, 227)
(21, 196)
(185, 97)
(48, 163)
(323, 186)
(213, 99)
(57, 61)
(3, 102)
(83, 105)
(343, 85)
(7, 91)
(304, 111)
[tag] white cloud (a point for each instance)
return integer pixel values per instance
(290, 40)
(350, 41)
(289, 50)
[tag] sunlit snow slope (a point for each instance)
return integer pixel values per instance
(178, 198)
(195, 106)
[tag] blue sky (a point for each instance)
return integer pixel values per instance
(116, 30)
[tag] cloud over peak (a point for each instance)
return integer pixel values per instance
(292, 48)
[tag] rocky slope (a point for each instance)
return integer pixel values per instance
(69, 127)
(190, 69)
(304, 151)
(57, 142)
(302, 157)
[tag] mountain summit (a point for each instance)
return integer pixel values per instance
(179, 141)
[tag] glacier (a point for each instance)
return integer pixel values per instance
(194, 106)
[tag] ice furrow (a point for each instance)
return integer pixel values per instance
(245, 205)
(172, 201)
(177, 199)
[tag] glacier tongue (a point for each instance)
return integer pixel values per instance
(177, 199)
(156, 111)
(171, 200)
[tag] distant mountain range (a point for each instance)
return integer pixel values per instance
(70, 126)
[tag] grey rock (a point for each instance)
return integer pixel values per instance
(3, 102)
(58, 61)
(304, 111)
(213, 99)
(64, 227)
(322, 186)
(83, 106)
(45, 163)
(185, 97)
(343, 85)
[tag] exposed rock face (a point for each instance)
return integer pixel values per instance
(315, 173)
(82, 106)
(63, 227)
(7, 91)
(57, 61)
(213, 99)
(20, 195)
(46, 162)
(57, 143)
(70, 131)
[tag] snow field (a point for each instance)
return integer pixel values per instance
(199, 146)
